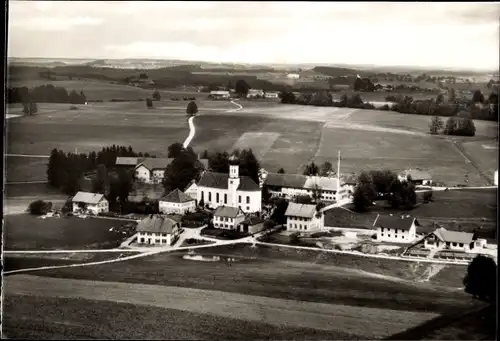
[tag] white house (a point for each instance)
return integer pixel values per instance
(176, 202)
(251, 225)
(192, 189)
(272, 95)
(227, 217)
(255, 93)
(86, 202)
(442, 239)
(217, 189)
(293, 76)
(495, 178)
(302, 217)
(418, 176)
(152, 170)
(157, 230)
(219, 94)
(396, 228)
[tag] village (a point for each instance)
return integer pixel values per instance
(229, 206)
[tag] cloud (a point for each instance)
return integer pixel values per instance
(53, 23)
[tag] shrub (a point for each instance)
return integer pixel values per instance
(39, 207)
(73, 108)
(428, 197)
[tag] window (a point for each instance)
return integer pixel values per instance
(239, 199)
(248, 208)
(209, 196)
(381, 229)
(225, 218)
(217, 197)
(216, 224)
(202, 195)
(402, 237)
(461, 244)
(141, 240)
(157, 241)
(225, 198)
(454, 244)
(230, 220)
(248, 199)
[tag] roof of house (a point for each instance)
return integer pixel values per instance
(227, 211)
(400, 222)
(127, 161)
(219, 92)
(285, 180)
(177, 196)
(87, 198)
(324, 183)
(252, 220)
(155, 163)
(416, 174)
(156, 223)
(454, 236)
(191, 183)
(220, 181)
(300, 210)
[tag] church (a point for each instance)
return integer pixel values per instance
(217, 189)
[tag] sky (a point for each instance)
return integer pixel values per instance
(452, 35)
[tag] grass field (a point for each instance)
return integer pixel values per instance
(26, 232)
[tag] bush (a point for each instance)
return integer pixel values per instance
(428, 197)
(39, 207)
(73, 108)
(108, 214)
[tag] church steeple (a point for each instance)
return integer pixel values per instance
(234, 167)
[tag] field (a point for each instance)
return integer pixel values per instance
(321, 296)
(26, 232)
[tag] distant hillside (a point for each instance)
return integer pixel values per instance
(339, 71)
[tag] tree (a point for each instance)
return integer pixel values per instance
(219, 162)
(55, 168)
(363, 196)
(460, 126)
(303, 199)
(436, 125)
(316, 193)
(428, 196)
(205, 154)
(326, 169)
(440, 99)
(266, 195)
(125, 185)
(311, 169)
(192, 108)
(149, 103)
(249, 165)
(480, 280)
(281, 171)
(30, 108)
(83, 98)
(278, 214)
(452, 95)
(242, 88)
(175, 149)
(39, 207)
(382, 182)
(101, 182)
(156, 95)
(287, 97)
(477, 97)
(402, 195)
(182, 170)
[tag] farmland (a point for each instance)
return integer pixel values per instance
(297, 283)
(26, 232)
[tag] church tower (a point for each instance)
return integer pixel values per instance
(233, 181)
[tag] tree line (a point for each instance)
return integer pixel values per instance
(47, 93)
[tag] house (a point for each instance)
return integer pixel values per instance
(418, 176)
(216, 189)
(228, 217)
(158, 230)
(86, 202)
(396, 228)
(273, 95)
(192, 190)
(302, 217)
(255, 93)
(293, 76)
(442, 239)
(152, 170)
(251, 225)
(495, 178)
(127, 162)
(328, 188)
(176, 202)
(219, 94)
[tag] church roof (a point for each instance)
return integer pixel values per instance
(220, 181)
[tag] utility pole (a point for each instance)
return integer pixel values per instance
(338, 177)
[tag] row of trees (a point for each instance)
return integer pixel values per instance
(461, 125)
(47, 93)
(325, 99)
(383, 185)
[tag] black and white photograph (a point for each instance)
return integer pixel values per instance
(274, 170)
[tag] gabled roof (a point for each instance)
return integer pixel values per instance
(228, 211)
(156, 223)
(416, 174)
(324, 183)
(395, 222)
(300, 210)
(453, 236)
(220, 181)
(87, 198)
(285, 180)
(155, 163)
(127, 161)
(191, 183)
(177, 196)
(253, 220)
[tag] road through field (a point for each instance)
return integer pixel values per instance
(279, 312)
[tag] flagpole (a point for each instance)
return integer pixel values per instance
(338, 176)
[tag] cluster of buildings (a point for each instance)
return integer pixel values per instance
(252, 94)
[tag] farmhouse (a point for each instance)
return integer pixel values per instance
(251, 225)
(416, 176)
(192, 190)
(86, 202)
(442, 239)
(127, 162)
(289, 186)
(176, 202)
(271, 95)
(219, 94)
(293, 76)
(152, 170)
(157, 230)
(227, 217)
(302, 217)
(216, 189)
(255, 93)
(395, 228)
